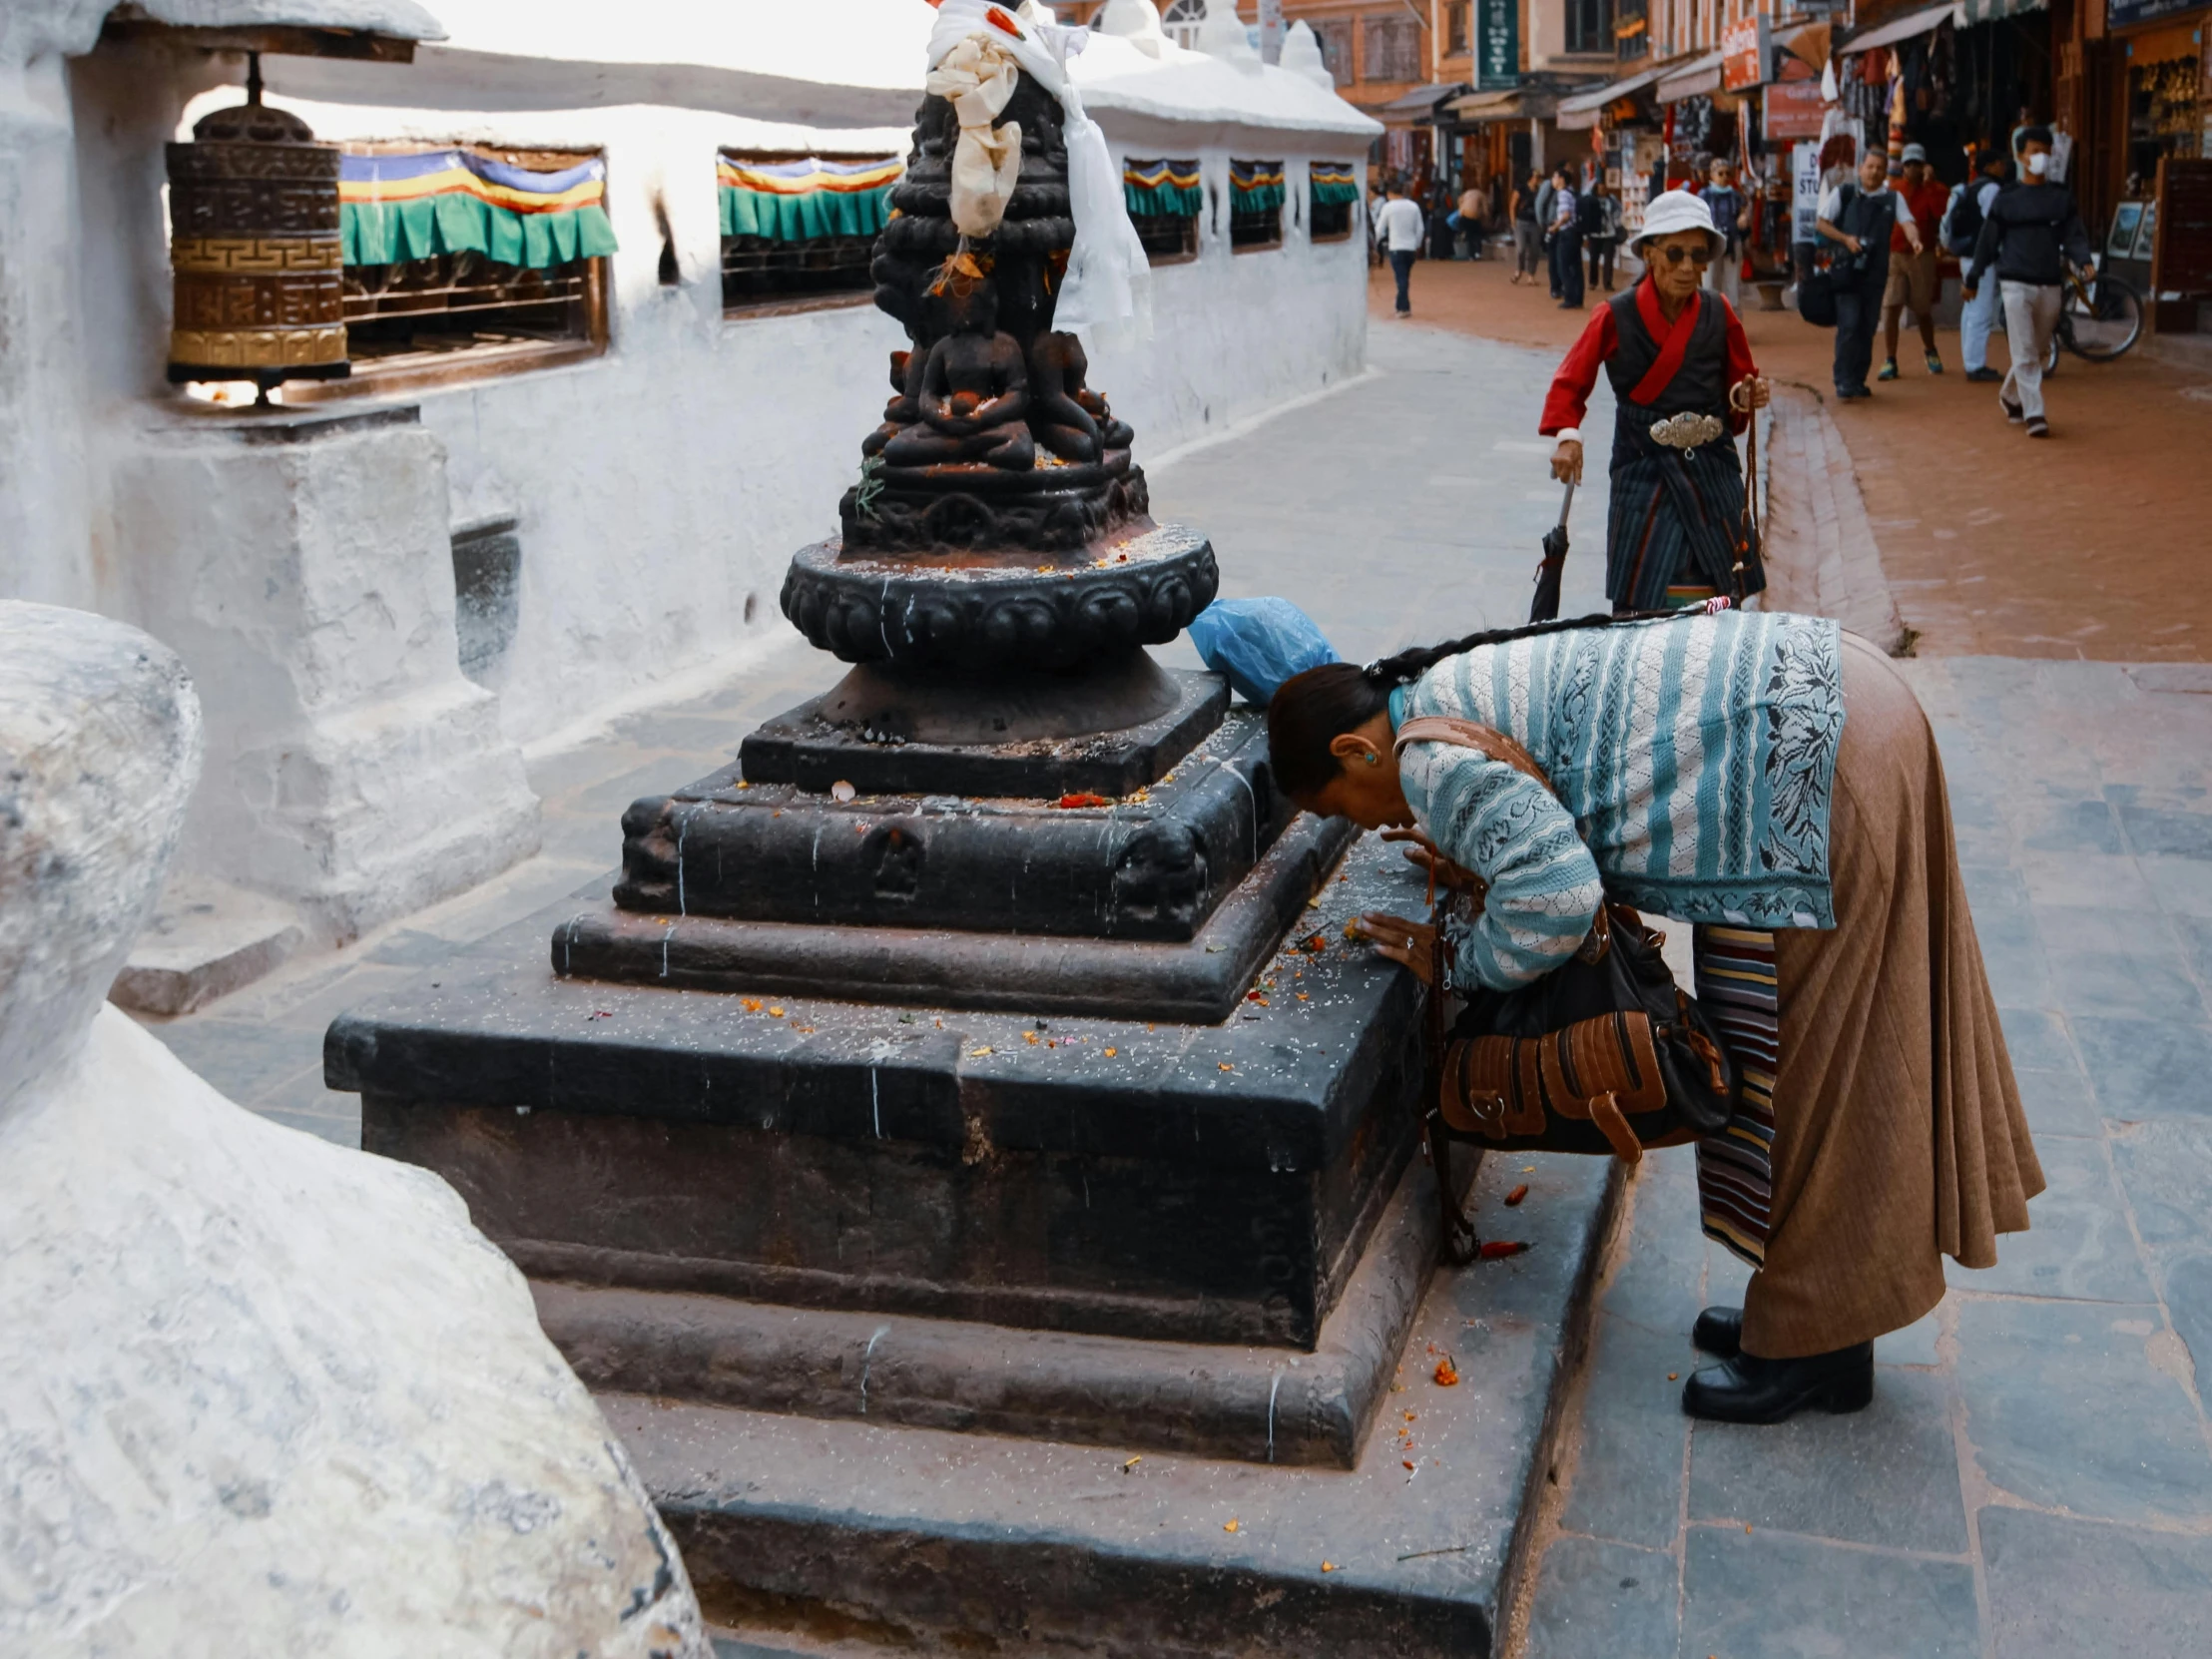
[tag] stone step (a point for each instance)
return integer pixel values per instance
(932, 1540)
(1262, 1403)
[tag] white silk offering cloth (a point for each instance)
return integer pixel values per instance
(977, 53)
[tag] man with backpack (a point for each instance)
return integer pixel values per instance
(1969, 205)
(2028, 235)
(1858, 219)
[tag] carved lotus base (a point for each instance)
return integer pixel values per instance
(1020, 610)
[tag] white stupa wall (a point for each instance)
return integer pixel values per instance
(660, 488)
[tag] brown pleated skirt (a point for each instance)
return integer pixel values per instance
(1898, 1136)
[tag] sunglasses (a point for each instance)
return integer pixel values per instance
(1696, 256)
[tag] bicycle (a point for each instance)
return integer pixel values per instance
(2100, 319)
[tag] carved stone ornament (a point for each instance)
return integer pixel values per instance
(994, 440)
(970, 616)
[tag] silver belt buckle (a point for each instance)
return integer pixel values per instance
(1686, 431)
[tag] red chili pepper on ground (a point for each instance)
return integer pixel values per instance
(1515, 1196)
(1084, 799)
(1499, 1247)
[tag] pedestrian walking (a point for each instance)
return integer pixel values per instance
(1913, 276)
(1601, 230)
(1566, 240)
(2028, 235)
(1398, 230)
(1731, 211)
(1474, 216)
(1969, 205)
(1527, 231)
(1547, 195)
(1683, 380)
(1859, 219)
(1774, 781)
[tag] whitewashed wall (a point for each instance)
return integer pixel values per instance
(663, 486)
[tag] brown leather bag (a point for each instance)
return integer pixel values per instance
(1605, 1054)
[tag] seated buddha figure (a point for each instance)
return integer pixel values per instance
(975, 387)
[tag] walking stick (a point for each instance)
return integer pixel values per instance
(1545, 606)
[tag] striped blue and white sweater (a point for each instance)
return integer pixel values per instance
(1693, 759)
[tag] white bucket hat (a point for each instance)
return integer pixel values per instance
(1677, 210)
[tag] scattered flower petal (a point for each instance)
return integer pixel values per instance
(1448, 1375)
(841, 791)
(1515, 1196)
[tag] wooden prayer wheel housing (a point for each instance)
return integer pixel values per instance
(253, 244)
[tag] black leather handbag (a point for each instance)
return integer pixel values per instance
(1605, 1054)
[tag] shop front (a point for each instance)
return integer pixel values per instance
(2150, 175)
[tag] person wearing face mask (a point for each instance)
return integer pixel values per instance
(1860, 219)
(2029, 237)
(1684, 382)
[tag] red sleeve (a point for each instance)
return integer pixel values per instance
(1569, 398)
(1740, 364)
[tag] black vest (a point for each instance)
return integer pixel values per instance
(1700, 384)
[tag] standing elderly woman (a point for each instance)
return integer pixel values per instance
(1684, 384)
(1774, 781)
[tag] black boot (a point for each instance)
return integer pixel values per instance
(1748, 1388)
(1719, 1332)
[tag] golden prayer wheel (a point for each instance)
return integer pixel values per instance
(253, 244)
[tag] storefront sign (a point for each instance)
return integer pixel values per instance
(1793, 111)
(2120, 14)
(1745, 49)
(1497, 44)
(1805, 191)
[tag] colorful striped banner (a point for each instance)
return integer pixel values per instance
(801, 200)
(426, 203)
(1163, 189)
(1333, 182)
(1255, 187)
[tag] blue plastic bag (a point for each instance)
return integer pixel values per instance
(1258, 644)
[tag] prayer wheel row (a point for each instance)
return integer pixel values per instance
(254, 244)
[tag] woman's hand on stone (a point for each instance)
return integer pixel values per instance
(1566, 461)
(1412, 943)
(1425, 854)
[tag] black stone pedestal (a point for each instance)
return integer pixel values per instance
(1135, 1178)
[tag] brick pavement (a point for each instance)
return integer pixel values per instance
(2036, 1477)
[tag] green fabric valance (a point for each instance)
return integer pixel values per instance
(1262, 199)
(781, 218)
(1327, 193)
(382, 233)
(1163, 189)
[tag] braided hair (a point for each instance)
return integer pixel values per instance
(1315, 707)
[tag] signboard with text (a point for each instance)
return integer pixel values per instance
(1497, 44)
(1805, 191)
(1744, 53)
(1793, 111)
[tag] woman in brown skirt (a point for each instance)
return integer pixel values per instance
(1774, 781)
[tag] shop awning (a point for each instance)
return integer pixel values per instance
(1909, 27)
(1509, 104)
(1698, 76)
(1584, 102)
(1420, 101)
(1972, 12)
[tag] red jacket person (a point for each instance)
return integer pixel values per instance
(1684, 384)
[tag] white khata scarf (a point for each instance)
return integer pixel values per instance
(974, 55)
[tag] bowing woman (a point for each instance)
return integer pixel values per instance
(1684, 386)
(1773, 780)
